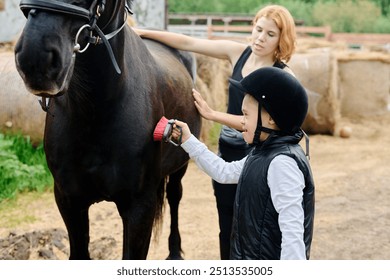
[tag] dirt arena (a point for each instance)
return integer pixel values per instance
(352, 219)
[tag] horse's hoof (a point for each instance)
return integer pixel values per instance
(175, 258)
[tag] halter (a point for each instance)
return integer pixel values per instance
(90, 15)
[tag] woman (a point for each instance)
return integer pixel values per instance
(272, 44)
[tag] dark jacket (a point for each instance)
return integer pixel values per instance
(256, 233)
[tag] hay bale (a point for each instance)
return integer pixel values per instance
(214, 73)
(364, 84)
(212, 83)
(20, 111)
(317, 71)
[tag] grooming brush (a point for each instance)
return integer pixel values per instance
(163, 131)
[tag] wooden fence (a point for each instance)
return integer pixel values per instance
(235, 31)
(322, 32)
(239, 27)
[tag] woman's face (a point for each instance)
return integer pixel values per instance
(265, 37)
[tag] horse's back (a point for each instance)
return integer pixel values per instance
(163, 52)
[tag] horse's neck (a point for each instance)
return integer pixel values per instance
(113, 15)
(95, 78)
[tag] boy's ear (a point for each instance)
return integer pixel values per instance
(272, 123)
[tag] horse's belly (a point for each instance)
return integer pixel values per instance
(81, 173)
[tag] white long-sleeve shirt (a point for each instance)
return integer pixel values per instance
(286, 183)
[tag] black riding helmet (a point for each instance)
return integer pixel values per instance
(281, 95)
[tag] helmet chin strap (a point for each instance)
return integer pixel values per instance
(260, 128)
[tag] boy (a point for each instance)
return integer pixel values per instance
(274, 204)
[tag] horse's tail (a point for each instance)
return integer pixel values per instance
(158, 217)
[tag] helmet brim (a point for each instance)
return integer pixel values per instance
(238, 85)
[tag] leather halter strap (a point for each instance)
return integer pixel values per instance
(54, 6)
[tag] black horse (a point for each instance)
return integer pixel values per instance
(108, 89)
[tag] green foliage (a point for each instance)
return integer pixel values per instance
(384, 5)
(347, 16)
(212, 141)
(359, 16)
(200, 6)
(22, 167)
(215, 6)
(300, 10)
(382, 24)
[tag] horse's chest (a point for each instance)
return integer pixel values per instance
(102, 165)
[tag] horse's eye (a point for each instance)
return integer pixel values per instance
(33, 12)
(27, 12)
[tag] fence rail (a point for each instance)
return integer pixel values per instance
(359, 38)
(214, 31)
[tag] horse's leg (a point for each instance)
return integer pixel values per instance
(174, 195)
(75, 216)
(137, 217)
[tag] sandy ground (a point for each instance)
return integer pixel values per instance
(352, 219)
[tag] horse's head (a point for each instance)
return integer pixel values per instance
(55, 33)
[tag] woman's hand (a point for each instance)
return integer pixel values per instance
(202, 106)
(184, 132)
(138, 31)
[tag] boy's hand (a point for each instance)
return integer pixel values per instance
(185, 131)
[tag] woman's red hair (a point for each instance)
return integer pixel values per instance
(285, 22)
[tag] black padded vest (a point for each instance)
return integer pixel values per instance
(256, 233)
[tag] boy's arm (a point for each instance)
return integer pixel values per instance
(286, 183)
(218, 169)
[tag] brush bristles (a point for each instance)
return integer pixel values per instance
(159, 130)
